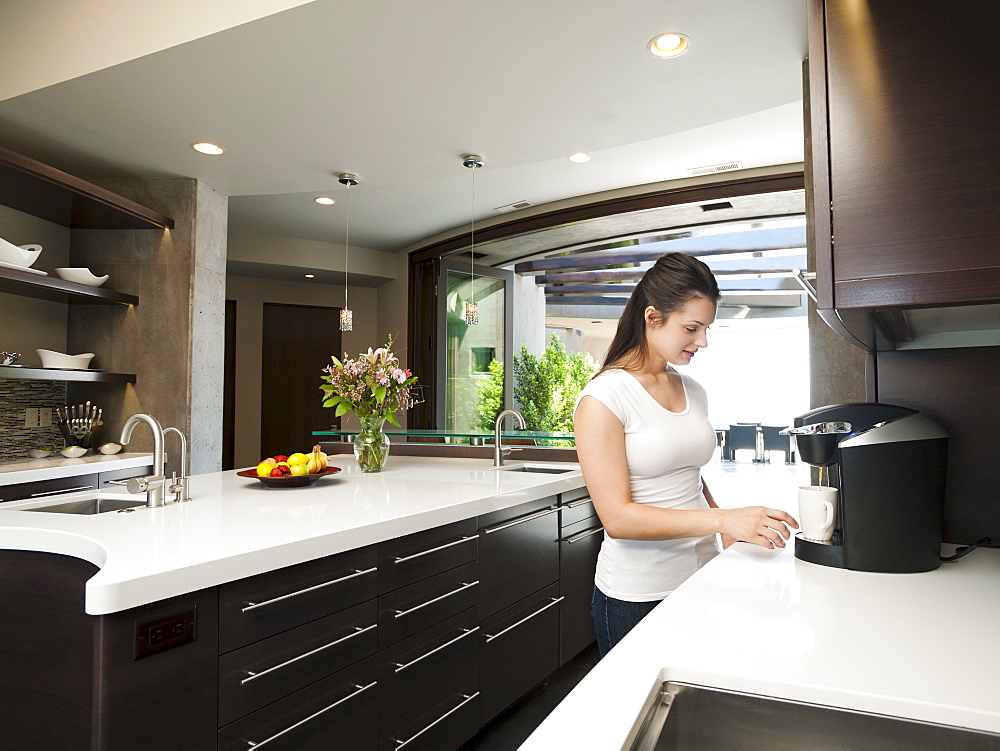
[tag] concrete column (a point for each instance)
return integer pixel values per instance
(173, 340)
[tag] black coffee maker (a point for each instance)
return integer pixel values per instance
(889, 464)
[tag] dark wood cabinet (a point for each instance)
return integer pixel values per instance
(412, 558)
(903, 106)
(422, 604)
(518, 649)
(518, 553)
(579, 547)
(27, 490)
(444, 722)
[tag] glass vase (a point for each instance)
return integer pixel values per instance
(371, 445)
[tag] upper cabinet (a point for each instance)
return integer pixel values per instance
(904, 110)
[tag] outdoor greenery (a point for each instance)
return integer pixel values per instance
(545, 387)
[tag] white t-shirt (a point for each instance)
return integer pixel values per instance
(665, 452)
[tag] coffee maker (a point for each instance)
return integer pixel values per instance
(889, 464)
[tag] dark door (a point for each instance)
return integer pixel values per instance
(297, 341)
(229, 390)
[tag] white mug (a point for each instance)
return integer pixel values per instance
(817, 512)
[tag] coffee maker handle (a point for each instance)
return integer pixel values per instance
(818, 428)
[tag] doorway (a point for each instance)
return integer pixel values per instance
(296, 344)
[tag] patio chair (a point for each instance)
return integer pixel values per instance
(744, 436)
(773, 441)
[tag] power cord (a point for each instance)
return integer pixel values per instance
(966, 549)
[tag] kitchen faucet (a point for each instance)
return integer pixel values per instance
(179, 486)
(498, 451)
(153, 484)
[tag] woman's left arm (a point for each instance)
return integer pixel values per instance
(726, 539)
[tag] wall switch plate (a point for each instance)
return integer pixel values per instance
(45, 417)
(31, 417)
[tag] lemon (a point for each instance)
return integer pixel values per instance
(297, 458)
(264, 469)
(299, 469)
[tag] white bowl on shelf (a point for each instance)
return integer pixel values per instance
(109, 448)
(41, 453)
(73, 452)
(52, 359)
(18, 255)
(81, 276)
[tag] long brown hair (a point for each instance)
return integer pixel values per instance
(674, 280)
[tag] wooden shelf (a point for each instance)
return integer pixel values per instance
(53, 195)
(55, 289)
(52, 374)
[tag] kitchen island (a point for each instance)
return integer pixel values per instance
(365, 611)
(919, 646)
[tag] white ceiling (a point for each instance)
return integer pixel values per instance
(398, 91)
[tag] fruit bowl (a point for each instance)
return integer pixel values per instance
(289, 481)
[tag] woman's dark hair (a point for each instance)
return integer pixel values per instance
(674, 280)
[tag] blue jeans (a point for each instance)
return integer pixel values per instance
(615, 618)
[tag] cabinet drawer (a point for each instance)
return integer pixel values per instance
(336, 712)
(104, 478)
(518, 554)
(264, 605)
(411, 609)
(409, 559)
(573, 495)
(579, 547)
(577, 511)
(27, 490)
(256, 675)
(419, 666)
(444, 722)
(518, 648)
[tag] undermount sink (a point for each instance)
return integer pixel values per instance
(97, 505)
(684, 716)
(540, 470)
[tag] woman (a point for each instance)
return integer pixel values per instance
(642, 436)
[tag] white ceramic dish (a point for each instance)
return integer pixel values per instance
(52, 359)
(109, 448)
(18, 255)
(40, 453)
(73, 452)
(23, 268)
(81, 276)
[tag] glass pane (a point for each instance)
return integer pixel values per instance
(470, 349)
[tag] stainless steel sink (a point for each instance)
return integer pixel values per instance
(690, 717)
(98, 505)
(539, 470)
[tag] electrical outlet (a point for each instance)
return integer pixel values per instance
(45, 417)
(31, 417)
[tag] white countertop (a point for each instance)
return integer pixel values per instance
(52, 467)
(235, 527)
(922, 646)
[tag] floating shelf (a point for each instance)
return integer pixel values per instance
(53, 195)
(55, 289)
(53, 374)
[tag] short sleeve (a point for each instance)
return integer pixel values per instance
(606, 389)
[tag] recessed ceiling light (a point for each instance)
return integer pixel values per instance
(207, 148)
(325, 200)
(579, 158)
(669, 45)
(310, 276)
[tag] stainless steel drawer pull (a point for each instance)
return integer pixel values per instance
(251, 676)
(357, 572)
(531, 517)
(582, 535)
(401, 667)
(63, 490)
(433, 550)
(361, 689)
(582, 501)
(526, 618)
(466, 697)
(465, 586)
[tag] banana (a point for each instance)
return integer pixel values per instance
(316, 460)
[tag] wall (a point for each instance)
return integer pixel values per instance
(250, 295)
(528, 300)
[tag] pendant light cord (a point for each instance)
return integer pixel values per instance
(347, 243)
(472, 242)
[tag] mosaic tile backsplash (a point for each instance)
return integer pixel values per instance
(15, 397)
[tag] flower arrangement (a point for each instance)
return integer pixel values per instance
(373, 387)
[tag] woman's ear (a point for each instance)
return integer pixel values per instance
(651, 315)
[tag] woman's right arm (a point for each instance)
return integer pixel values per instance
(600, 447)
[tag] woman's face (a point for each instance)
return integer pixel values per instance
(683, 333)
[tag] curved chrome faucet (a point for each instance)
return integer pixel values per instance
(153, 485)
(179, 486)
(498, 451)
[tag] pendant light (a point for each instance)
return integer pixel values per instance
(346, 315)
(472, 162)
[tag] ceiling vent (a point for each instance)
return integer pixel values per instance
(714, 168)
(716, 206)
(513, 206)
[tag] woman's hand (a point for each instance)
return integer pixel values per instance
(767, 527)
